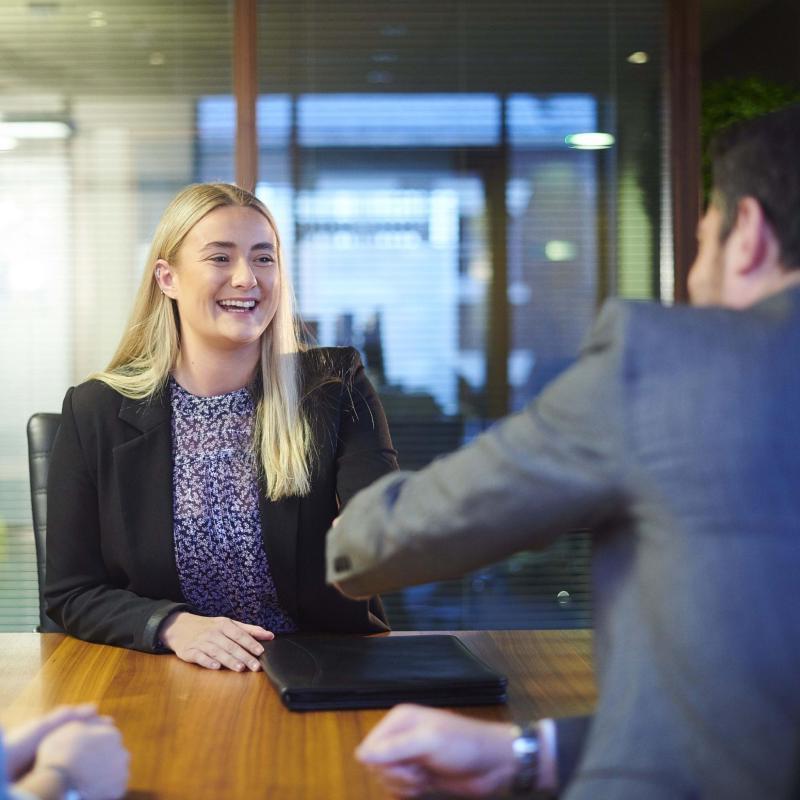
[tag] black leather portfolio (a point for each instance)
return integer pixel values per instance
(312, 672)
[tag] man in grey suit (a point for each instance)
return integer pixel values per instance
(676, 438)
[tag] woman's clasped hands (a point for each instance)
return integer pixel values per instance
(214, 642)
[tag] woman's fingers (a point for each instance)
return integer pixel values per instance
(256, 631)
(239, 633)
(231, 654)
(214, 642)
(199, 657)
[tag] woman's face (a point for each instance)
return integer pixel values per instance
(225, 281)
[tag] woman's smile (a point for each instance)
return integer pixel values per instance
(238, 306)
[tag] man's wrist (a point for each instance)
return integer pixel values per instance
(525, 747)
(535, 765)
(47, 782)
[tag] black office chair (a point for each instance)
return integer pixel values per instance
(42, 429)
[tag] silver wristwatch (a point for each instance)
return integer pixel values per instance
(526, 759)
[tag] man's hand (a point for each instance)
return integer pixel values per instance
(88, 757)
(417, 750)
(214, 642)
(22, 742)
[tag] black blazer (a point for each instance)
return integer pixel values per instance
(111, 574)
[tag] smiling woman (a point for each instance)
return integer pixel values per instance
(193, 481)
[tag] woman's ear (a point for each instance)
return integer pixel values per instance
(165, 278)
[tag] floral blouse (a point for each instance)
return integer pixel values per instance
(219, 550)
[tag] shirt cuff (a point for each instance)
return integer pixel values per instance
(548, 755)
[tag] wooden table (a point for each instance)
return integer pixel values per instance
(196, 734)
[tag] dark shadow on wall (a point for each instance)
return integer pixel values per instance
(765, 44)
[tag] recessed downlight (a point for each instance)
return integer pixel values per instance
(594, 140)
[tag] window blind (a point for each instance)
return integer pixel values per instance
(415, 156)
(98, 105)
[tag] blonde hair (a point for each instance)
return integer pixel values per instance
(150, 345)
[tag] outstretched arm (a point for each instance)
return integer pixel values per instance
(556, 465)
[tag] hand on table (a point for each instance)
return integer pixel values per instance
(416, 750)
(88, 756)
(21, 742)
(214, 642)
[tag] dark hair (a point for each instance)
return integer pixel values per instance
(760, 158)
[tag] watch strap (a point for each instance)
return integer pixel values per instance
(526, 758)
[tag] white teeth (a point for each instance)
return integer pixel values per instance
(247, 304)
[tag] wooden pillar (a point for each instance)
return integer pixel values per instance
(245, 89)
(683, 81)
(498, 345)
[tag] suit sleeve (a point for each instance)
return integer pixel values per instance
(79, 593)
(571, 735)
(555, 466)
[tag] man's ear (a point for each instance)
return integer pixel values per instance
(751, 244)
(165, 278)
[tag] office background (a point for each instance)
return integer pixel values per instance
(434, 209)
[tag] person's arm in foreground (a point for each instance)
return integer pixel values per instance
(416, 750)
(557, 465)
(72, 748)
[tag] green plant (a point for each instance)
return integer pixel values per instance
(733, 100)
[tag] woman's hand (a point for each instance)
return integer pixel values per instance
(214, 642)
(22, 742)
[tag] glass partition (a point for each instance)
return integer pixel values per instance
(98, 130)
(443, 217)
(439, 213)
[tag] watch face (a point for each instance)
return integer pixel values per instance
(526, 746)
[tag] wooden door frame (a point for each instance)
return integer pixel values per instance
(683, 91)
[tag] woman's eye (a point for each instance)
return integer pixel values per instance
(219, 259)
(265, 260)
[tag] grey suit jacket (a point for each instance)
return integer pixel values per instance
(676, 438)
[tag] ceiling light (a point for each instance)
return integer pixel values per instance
(639, 57)
(557, 250)
(590, 141)
(42, 129)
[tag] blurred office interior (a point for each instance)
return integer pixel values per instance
(436, 208)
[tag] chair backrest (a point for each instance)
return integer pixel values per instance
(42, 429)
